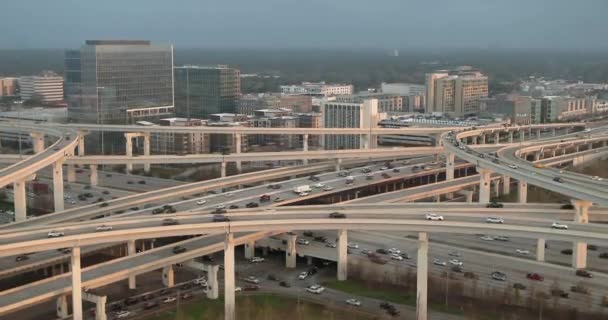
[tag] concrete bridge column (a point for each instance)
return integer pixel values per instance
(422, 276)
(342, 255)
(590, 146)
(131, 251)
(19, 200)
(537, 156)
(76, 285)
(538, 134)
(223, 169)
(249, 249)
(37, 141)
(540, 249)
(510, 136)
(100, 304)
(468, 194)
(290, 252)
(449, 166)
(474, 140)
(229, 282)
(62, 306)
(553, 132)
(496, 185)
(129, 150)
(58, 185)
(577, 148)
(71, 172)
(168, 276)
(484, 185)
(338, 164)
(305, 146)
(553, 153)
(94, 175)
(237, 148)
(437, 198)
(522, 136)
(579, 250)
(80, 144)
(146, 136)
(506, 185)
(496, 137)
(522, 191)
(483, 138)
(366, 141)
(213, 288)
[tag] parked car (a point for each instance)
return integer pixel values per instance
(252, 279)
(579, 289)
(353, 302)
(315, 288)
(519, 286)
(303, 275)
(303, 242)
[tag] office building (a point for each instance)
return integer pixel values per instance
(278, 141)
(458, 91)
(47, 87)
(119, 82)
(249, 103)
(8, 87)
(177, 142)
(386, 102)
(558, 108)
(204, 90)
(350, 115)
(311, 120)
(403, 89)
(516, 108)
(321, 89)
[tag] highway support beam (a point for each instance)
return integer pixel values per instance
(223, 169)
(212, 284)
(100, 304)
(506, 185)
(237, 148)
(168, 276)
(553, 132)
(93, 175)
(229, 282)
(290, 251)
(540, 249)
(58, 185)
(468, 194)
(579, 250)
(71, 173)
(249, 249)
(484, 185)
(80, 138)
(422, 276)
(131, 251)
(496, 137)
(129, 150)
(483, 139)
(496, 187)
(37, 141)
(338, 164)
(19, 200)
(510, 136)
(538, 134)
(146, 136)
(342, 255)
(62, 307)
(305, 147)
(522, 192)
(76, 285)
(449, 166)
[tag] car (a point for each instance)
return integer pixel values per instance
(396, 170)
(558, 179)
(65, 250)
(320, 239)
(603, 255)
(494, 204)
(228, 194)
(150, 305)
(559, 293)
(200, 281)
(383, 168)
(519, 286)
(369, 177)
(567, 206)
(21, 257)
(179, 249)
(304, 194)
(220, 206)
(457, 269)
(500, 276)
(256, 259)
(535, 276)
(353, 245)
(433, 217)
(122, 314)
(558, 225)
(328, 188)
(303, 242)
(579, 289)
(512, 166)
(201, 202)
(331, 245)
(405, 256)
(501, 238)
(353, 302)
(456, 262)
(367, 251)
(318, 185)
(394, 251)
(252, 279)
(284, 284)
(233, 206)
(584, 273)
(487, 238)
(220, 218)
(597, 178)
(170, 222)
(169, 299)
(315, 288)
(55, 234)
(494, 220)
(395, 256)
(522, 252)
(454, 254)
(238, 289)
(308, 234)
(252, 205)
(186, 296)
(382, 251)
(303, 275)
(103, 227)
(277, 199)
(337, 215)
(438, 262)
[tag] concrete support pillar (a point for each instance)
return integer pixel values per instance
(131, 251)
(62, 307)
(76, 285)
(537, 156)
(342, 255)
(237, 147)
(308, 260)
(100, 304)
(422, 276)
(522, 191)
(168, 276)
(510, 136)
(496, 185)
(249, 249)
(553, 153)
(94, 176)
(538, 134)
(484, 185)
(338, 164)
(449, 166)
(496, 137)
(482, 138)
(212, 284)
(37, 141)
(229, 282)
(305, 146)
(553, 132)
(80, 144)
(71, 171)
(540, 249)
(223, 169)
(365, 141)
(146, 150)
(522, 136)
(474, 140)
(58, 185)
(291, 251)
(579, 250)
(19, 200)
(129, 150)
(506, 185)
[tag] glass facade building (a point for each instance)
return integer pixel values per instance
(201, 90)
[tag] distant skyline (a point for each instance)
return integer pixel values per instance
(402, 24)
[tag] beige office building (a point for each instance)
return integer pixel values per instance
(177, 142)
(46, 88)
(8, 86)
(458, 94)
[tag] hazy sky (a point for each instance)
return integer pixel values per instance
(308, 23)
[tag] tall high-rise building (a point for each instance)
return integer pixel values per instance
(8, 87)
(350, 115)
(457, 91)
(204, 90)
(119, 81)
(47, 87)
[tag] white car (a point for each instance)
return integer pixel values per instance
(328, 188)
(487, 238)
(353, 302)
(433, 217)
(169, 299)
(303, 275)
(201, 202)
(315, 288)
(252, 279)
(597, 178)
(394, 251)
(512, 166)
(221, 206)
(456, 262)
(319, 185)
(438, 262)
(103, 227)
(256, 259)
(303, 241)
(557, 225)
(383, 168)
(72, 201)
(303, 194)
(122, 314)
(331, 245)
(522, 252)
(55, 234)
(494, 220)
(454, 254)
(200, 281)
(353, 245)
(228, 194)
(397, 257)
(238, 289)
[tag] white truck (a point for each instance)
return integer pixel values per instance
(300, 189)
(350, 179)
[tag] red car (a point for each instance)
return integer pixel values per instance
(535, 276)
